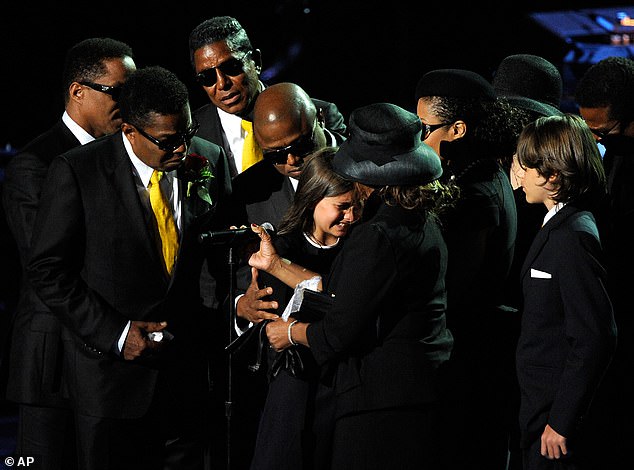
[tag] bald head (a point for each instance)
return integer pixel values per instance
(284, 115)
(285, 105)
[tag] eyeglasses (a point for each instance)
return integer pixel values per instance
(429, 128)
(113, 91)
(603, 134)
(301, 147)
(232, 67)
(171, 143)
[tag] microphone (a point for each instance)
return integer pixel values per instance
(233, 237)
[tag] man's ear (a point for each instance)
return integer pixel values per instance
(128, 131)
(76, 92)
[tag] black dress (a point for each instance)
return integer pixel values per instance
(289, 437)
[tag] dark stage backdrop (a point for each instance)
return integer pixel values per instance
(347, 52)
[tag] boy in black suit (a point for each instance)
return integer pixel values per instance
(568, 334)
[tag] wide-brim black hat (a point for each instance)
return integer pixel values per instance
(384, 148)
(529, 82)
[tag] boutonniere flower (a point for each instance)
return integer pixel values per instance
(196, 170)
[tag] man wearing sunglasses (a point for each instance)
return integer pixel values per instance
(287, 127)
(228, 68)
(94, 70)
(605, 97)
(135, 325)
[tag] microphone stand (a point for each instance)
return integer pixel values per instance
(230, 239)
(232, 318)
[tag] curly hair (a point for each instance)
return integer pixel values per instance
(435, 197)
(493, 125)
(149, 91)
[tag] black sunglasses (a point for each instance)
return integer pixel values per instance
(301, 147)
(429, 128)
(603, 134)
(113, 91)
(232, 67)
(171, 143)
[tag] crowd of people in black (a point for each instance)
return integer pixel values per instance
(468, 260)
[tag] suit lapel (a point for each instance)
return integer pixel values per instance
(122, 179)
(542, 237)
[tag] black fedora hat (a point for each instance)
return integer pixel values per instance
(529, 82)
(384, 148)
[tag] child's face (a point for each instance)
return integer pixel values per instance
(537, 188)
(333, 217)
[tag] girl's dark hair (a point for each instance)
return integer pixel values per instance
(317, 181)
(564, 147)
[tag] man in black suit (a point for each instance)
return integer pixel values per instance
(94, 70)
(135, 326)
(228, 68)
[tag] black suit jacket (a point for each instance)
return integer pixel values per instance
(35, 358)
(94, 262)
(568, 334)
(211, 127)
(263, 193)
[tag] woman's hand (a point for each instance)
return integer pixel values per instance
(277, 332)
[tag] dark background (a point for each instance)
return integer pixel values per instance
(348, 52)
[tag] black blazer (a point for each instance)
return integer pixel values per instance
(95, 263)
(35, 359)
(568, 334)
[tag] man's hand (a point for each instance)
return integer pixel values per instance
(251, 305)
(553, 444)
(137, 342)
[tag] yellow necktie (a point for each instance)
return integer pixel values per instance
(164, 220)
(251, 152)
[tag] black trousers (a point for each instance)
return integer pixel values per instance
(170, 436)
(47, 435)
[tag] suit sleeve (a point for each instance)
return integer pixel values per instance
(589, 327)
(24, 177)
(56, 260)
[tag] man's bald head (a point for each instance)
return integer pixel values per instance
(283, 116)
(286, 105)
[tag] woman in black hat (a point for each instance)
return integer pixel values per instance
(382, 341)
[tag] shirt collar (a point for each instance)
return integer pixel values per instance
(551, 213)
(78, 131)
(144, 171)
